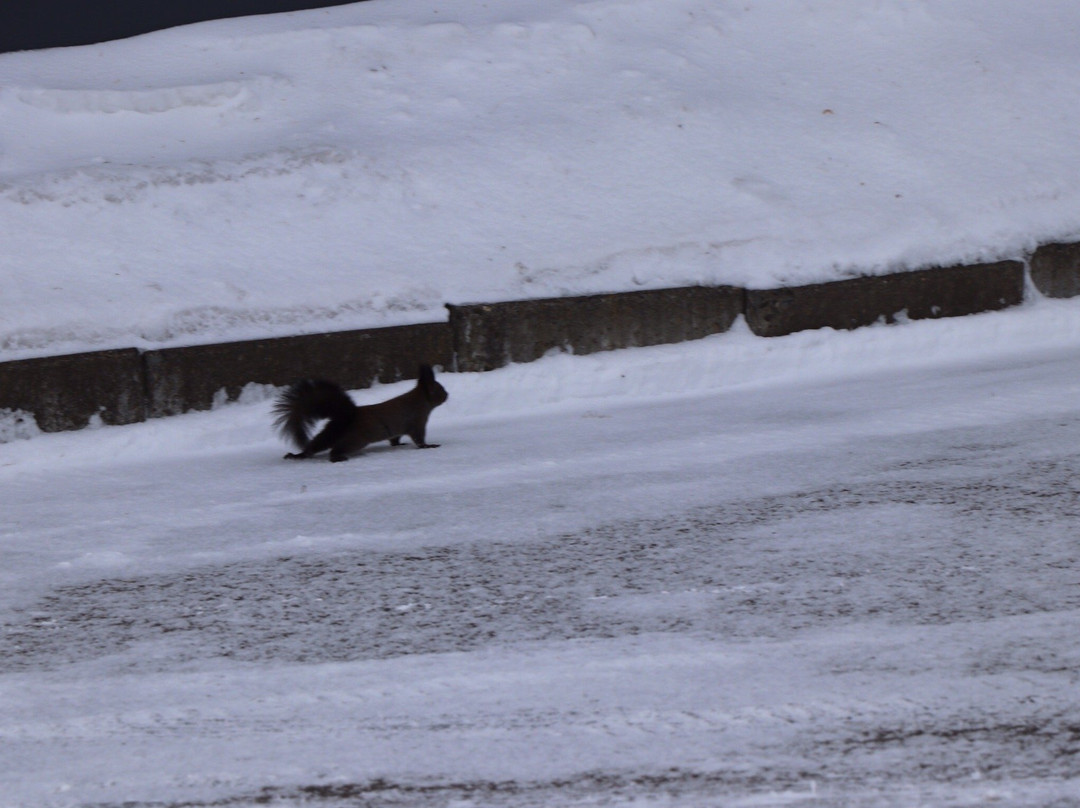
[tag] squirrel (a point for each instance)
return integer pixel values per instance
(350, 427)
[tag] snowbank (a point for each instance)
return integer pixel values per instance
(363, 165)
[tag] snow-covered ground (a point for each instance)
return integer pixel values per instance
(363, 165)
(835, 569)
(827, 569)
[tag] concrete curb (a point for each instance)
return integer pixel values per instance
(126, 386)
(927, 293)
(66, 392)
(1055, 270)
(183, 379)
(491, 335)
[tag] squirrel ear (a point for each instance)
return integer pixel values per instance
(427, 375)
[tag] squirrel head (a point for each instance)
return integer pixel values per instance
(433, 392)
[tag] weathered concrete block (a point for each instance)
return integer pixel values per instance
(65, 392)
(183, 379)
(1055, 270)
(488, 336)
(940, 292)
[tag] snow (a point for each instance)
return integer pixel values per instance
(833, 568)
(364, 165)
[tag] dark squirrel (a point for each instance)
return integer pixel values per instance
(350, 428)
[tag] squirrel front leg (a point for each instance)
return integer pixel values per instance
(417, 437)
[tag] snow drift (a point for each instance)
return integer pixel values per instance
(363, 165)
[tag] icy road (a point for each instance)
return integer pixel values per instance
(831, 569)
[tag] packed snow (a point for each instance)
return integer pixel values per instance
(830, 569)
(364, 165)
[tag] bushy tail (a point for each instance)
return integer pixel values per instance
(306, 402)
